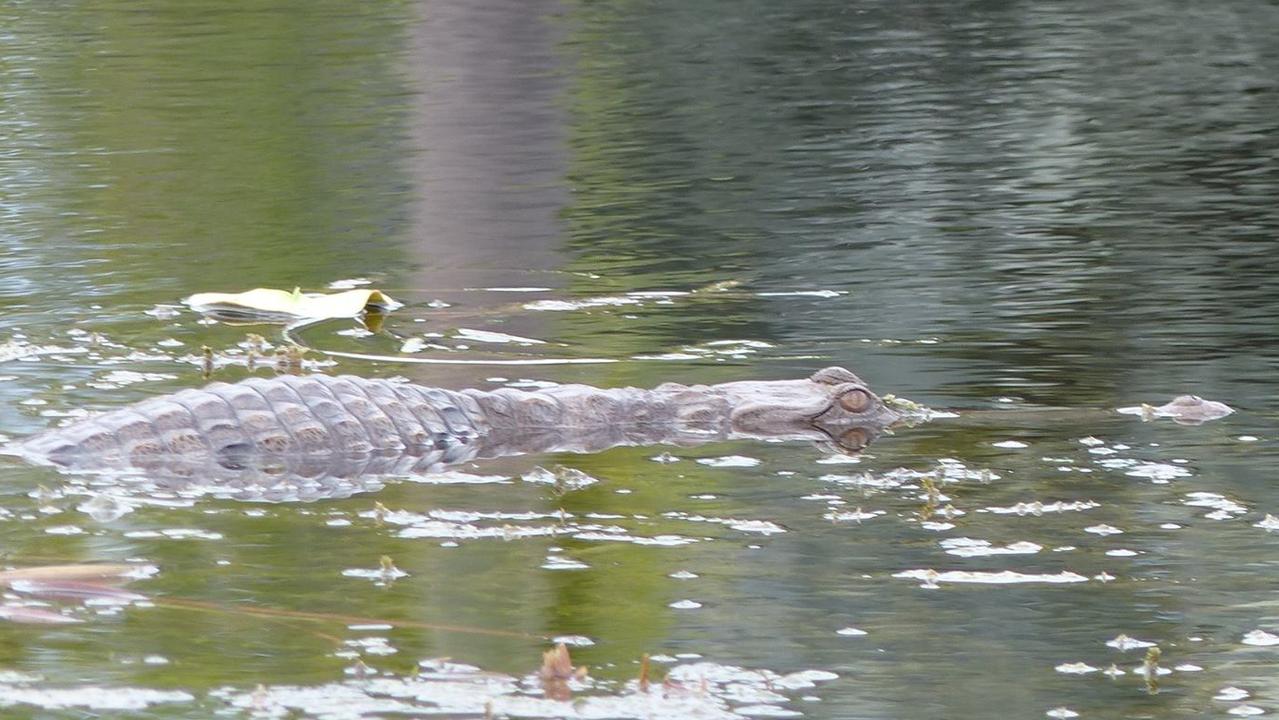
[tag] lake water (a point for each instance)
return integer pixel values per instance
(1031, 213)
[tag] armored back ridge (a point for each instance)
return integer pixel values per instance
(322, 433)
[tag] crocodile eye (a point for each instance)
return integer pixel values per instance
(856, 400)
(854, 439)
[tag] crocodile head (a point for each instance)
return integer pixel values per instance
(833, 406)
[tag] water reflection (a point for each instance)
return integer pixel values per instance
(1001, 183)
(260, 143)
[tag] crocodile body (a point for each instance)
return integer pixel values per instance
(318, 435)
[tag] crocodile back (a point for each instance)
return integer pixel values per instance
(314, 417)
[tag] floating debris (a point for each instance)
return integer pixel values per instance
(969, 547)
(559, 562)
(385, 573)
(856, 516)
(1037, 508)
(1269, 523)
(1076, 668)
(164, 312)
(1150, 664)
(119, 378)
(90, 697)
(729, 461)
(557, 671)
(1183, 410)
(443, 687)
(175, 534)
(349, 284)
(1225, 508)
(1123, 643)
(759, 527)
(569, 305)
(1156, 472)
(563, 479)
(1260, 638)
(22, 350)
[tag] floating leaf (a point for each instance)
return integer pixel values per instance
(267, 305)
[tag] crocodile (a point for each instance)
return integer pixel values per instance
(313, 436)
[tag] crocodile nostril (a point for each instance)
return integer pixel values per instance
(854, 439)
(856, 400)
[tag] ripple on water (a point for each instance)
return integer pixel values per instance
(756, 527)
(175, 534)
(1005, 577)
(471, 525)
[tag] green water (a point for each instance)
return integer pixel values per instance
(1034, 213)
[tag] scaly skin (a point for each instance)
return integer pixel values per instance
(322, 433)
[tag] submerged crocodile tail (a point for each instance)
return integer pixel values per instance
(287, 415)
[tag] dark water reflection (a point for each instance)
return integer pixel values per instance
(1035, 211)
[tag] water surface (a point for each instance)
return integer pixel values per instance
(1032, 213)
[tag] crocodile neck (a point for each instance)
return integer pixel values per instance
(584, 419)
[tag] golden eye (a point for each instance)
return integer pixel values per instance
(854, 439)
(856, 400)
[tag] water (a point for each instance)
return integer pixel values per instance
(1035, 213)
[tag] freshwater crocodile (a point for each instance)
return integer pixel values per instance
(316, 436)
